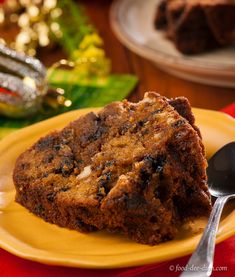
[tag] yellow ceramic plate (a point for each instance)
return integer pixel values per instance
(28, 236)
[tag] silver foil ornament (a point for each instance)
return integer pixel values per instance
(23, 83)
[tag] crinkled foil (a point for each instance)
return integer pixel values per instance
(25, 77)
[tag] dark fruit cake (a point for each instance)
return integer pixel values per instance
(134, 168)
(197, 26)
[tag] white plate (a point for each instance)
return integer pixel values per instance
(132, 22)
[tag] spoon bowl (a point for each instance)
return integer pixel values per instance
(221, 171)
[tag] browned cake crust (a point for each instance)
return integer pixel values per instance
(135, 168)
(197, 26)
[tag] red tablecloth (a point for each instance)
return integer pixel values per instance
(224, 263)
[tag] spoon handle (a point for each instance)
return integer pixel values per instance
(201, 262)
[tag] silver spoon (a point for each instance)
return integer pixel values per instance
(221, 181)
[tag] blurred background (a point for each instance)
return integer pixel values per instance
(86, 64)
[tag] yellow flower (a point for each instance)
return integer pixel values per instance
(91, 39)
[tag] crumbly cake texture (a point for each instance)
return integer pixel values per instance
(136, 168)
(197, 26)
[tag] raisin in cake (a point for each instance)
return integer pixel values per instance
(196, 26)
(134, 168)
